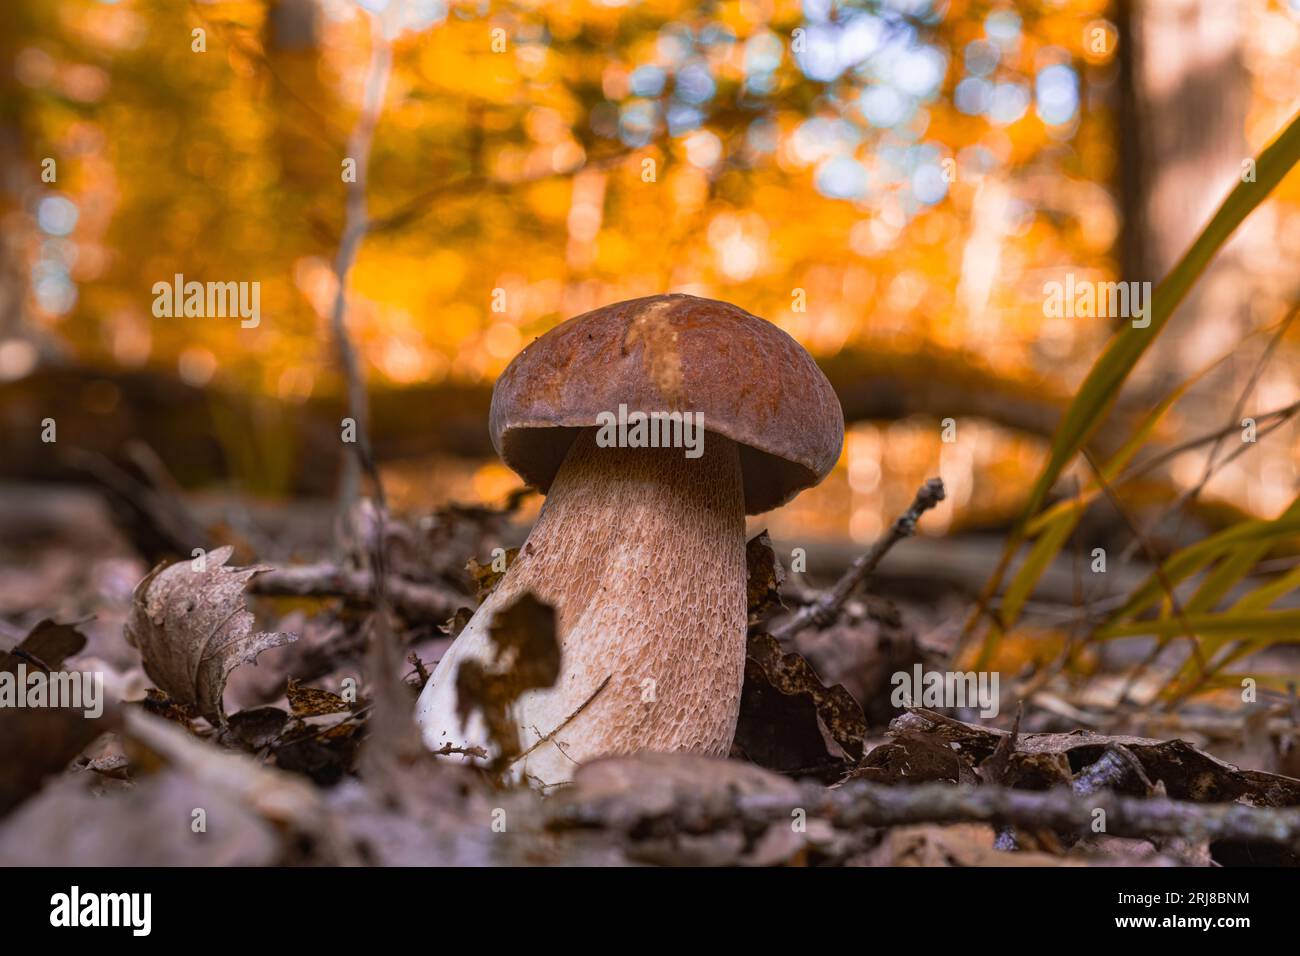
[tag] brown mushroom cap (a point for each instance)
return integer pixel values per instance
(753, 382)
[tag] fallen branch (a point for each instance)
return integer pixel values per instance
(416, 601)
(1116, 766)
(862, 804)
(824, 609)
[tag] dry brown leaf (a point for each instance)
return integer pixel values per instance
(962, 844)
(916, 758)
(35, 743)
(764, 577)
(1187, 773)
(789, 720)
(527, 658)
(486, 577)
(193, 628)
(314, 702)
(44, 647)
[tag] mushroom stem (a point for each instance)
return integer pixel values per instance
(642, 553)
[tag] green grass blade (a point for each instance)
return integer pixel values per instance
(1266, 594)
(1055, 525)
(1183, 564)
(1109, 373)
(1270, 626)
(1232, 569)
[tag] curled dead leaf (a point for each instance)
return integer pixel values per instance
(192, 627)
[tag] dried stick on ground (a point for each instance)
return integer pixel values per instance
(822, 611)
(393, 739)
(356, 223)
(862, 804)
(1116, 766)
(423, 602)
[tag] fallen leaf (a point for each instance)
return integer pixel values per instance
(862, 650)
(1009, 766)
(1187, 773)
(486, 577)
(323, 755)
(45, 647)
(258, 727)
(962, 844)
(314, 702)
(789, 720)
(764, 577)
(916, 758)
(38, 742)
(527, 658)
(192, 628)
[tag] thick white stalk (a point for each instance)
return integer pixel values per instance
(642, 553)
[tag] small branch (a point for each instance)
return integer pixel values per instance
(472, 185)
(416, 601)
(1115, 767)
(420, 670)
(447, 750)
(355, 225)
(862, 804)
(823, 611)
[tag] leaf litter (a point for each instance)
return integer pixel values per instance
(287, 773)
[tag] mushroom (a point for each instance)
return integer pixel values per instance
(641, 550)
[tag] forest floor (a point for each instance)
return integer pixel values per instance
(311, 756)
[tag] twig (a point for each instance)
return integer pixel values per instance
(824, 610)
(416, 601)
(862, 804)
(420, 670)
(1114, 767)
(356, 222)
(1276, 417)
(544, 737)
(447, 750)
(472, 185)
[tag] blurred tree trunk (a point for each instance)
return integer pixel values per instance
(303, 102)
(20, 188)
(1183, 110)
(1186, 95)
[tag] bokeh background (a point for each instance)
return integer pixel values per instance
(910, 172)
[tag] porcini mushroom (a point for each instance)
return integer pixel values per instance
(641, 550)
